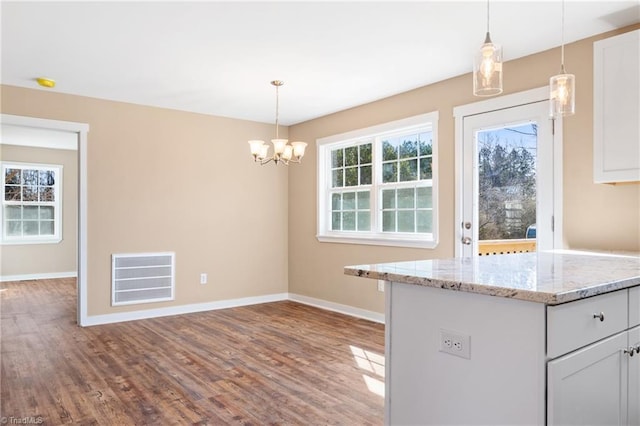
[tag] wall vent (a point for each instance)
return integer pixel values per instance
(142, 278)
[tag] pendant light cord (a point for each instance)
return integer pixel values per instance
(562, 40)
(487, 16)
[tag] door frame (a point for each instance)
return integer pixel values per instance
(495, 104)
(81, 130)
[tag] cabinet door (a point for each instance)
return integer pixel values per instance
(634, 379)
(589, 386)
(616, 108)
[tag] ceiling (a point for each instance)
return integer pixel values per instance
(219, 57)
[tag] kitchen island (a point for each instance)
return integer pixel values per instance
(533, 338)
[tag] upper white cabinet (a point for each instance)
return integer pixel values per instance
(616, 108)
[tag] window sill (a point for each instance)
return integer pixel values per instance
(24, 242)
(373, 241)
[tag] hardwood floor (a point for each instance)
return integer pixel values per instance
(276, 363)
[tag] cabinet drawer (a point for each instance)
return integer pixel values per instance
(634, 306)
(572, 325)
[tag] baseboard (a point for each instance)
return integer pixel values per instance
(45, 276)
(337, 307)
(183, 309)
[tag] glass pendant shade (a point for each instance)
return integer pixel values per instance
(562, 97)
(487, 69)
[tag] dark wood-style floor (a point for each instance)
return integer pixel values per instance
(276, 363)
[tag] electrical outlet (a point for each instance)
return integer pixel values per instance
(381, 285)
(203, 278)
(454, 343)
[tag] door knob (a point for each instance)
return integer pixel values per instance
(466, 241)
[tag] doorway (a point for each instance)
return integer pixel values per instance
(508, 187)
(80, 130)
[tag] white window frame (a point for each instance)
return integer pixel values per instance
(376, 236)
(56, 204)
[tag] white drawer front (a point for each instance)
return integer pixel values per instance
(572, 325)
(634, 306)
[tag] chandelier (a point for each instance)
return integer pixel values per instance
(283, 152)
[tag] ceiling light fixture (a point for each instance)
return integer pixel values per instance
(487, 67)
(282, 150)
(562, 96)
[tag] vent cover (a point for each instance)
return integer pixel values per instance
(142, 278)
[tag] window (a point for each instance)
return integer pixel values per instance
(31, 203)
(378, 185)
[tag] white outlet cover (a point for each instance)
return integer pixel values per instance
(460, 343)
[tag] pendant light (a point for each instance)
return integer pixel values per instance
(487, 67)
(283, 152)
(562, 87)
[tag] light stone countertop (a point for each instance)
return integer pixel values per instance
(552, 277)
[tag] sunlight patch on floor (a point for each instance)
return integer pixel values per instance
(373, 364)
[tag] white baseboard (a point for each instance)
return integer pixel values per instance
(337, 307)
(45, 276)
(232, 303)
(183, 309)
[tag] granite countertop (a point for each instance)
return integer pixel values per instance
(552, 277)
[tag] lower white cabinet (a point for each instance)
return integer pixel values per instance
(589, 386)
(598, 385)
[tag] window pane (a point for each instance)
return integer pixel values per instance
(29, 193)
(30, 227)
(364, 221)
(408, 170)
(335, 221)
(30, 212)
(337, 158)
(426, 147)
(389, 151)
(46, 227)
(389, 221)
(389, 199)
(365, 153)
(424, 198)
(12, 193)
(349, 221)
(425, 220)
(364, 200)
(349, 201)
(46, 212)
(406, 198)
(406, 221)
(12, 176)
(336, 180)
(365, 175)
(335, 201)
(409, 147)
(351, 156)
(13, 212)
(14, 228)
(425, 168)
(351, 176)
(30, 177)
(390, 172)
(47, 177)
(46, 194)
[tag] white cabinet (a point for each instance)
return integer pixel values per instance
(616, 108)
(589, 386)
(599, 383)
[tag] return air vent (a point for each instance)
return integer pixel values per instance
(142, 278)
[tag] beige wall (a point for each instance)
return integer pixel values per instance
(595, 216)
(27, 259)
(164, 180)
